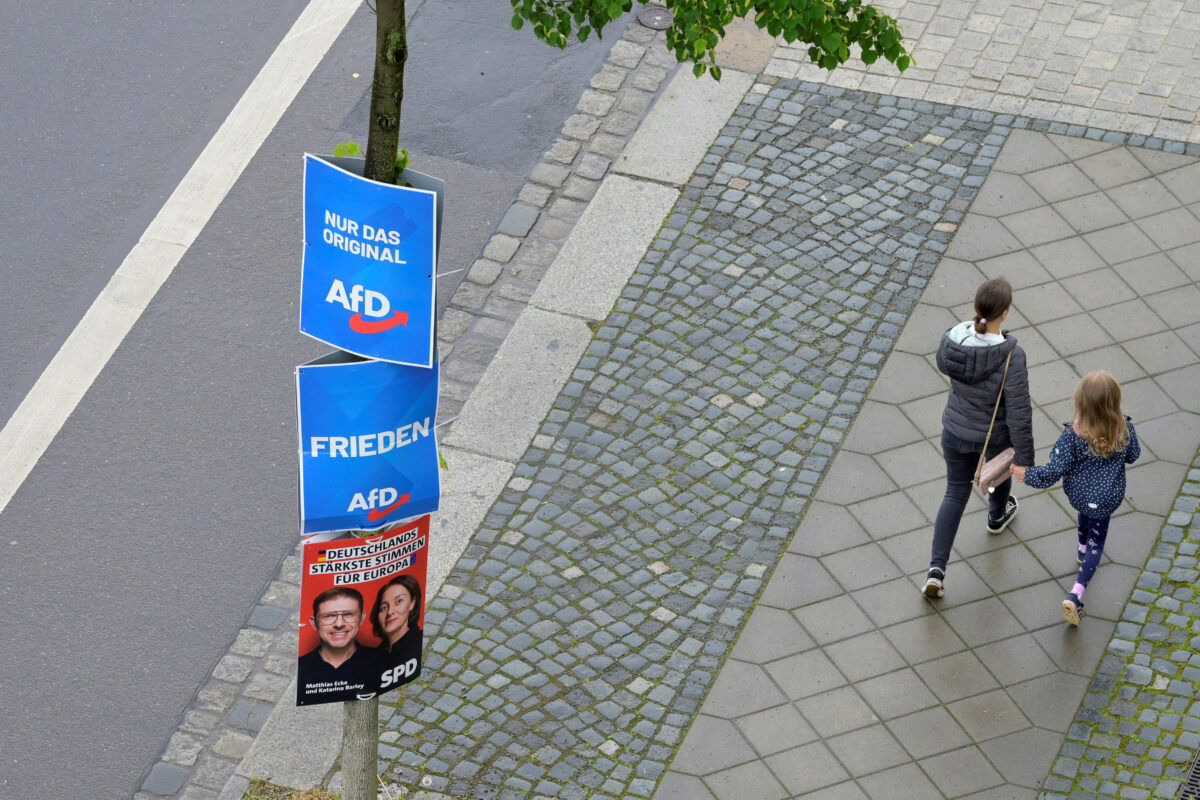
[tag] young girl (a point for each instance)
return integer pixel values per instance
(1090, 458)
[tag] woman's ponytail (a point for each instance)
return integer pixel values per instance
(991, 300)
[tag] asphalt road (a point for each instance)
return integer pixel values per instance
(139, 543)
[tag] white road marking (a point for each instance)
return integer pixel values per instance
(113, 313)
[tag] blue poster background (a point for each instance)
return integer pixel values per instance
(347, 406)
(356, 233)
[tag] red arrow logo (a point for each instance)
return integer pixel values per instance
(360, 325)
(376, 514)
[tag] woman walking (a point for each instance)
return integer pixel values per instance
(983, 363)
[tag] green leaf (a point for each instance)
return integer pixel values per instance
(716, 72)
(903, 62)
(698, 70)
(517, 22)
(442, 461)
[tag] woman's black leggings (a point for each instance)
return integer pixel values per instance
(962, 458)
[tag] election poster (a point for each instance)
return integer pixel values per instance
(362, 614)
(368, 455)
(369, 268)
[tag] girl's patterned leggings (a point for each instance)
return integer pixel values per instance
(1092, 533)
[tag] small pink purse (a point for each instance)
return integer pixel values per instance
(995, 470)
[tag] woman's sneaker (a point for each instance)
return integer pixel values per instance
(1072, 609)
(1010, 511)
(933, 583)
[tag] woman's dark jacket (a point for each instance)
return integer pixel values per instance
(976, 370)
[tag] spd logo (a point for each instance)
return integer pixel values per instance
(381, 502)
(370, 308)
(399, 673)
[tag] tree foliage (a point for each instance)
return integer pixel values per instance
(829, 27)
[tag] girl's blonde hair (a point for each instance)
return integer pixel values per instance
(1098, 414)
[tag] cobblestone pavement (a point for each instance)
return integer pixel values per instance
(1138, 730)
(1127, 65)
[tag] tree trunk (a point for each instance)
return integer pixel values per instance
(360, 737)
(387, 90)
(360, 750)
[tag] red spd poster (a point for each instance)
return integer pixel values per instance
(362, 609)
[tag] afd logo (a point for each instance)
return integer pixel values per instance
(381, 502)
(370, 308)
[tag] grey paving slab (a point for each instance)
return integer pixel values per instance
(961, 772)
(713, 746)
(754, 778)
(896, 694)
(775, 729)
(833, 620)
(907, 780)
(742, 688)
(769, 635)
(1050, 701)
(805, 674)
(928, 732)
(956, 676)
(855, 478)
(1022, 758)
(836, 711)
(807, 768)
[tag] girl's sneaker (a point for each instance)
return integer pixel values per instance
(1072, 609)
(933, 583)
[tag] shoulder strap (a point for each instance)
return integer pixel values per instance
(988, 439)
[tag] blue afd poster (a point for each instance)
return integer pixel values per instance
(368, 456)
(370, 254)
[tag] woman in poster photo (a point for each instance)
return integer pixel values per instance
(394, 619)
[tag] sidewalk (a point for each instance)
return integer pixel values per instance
(694, 486)
(777, 338)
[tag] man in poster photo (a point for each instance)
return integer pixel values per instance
(339, 668)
